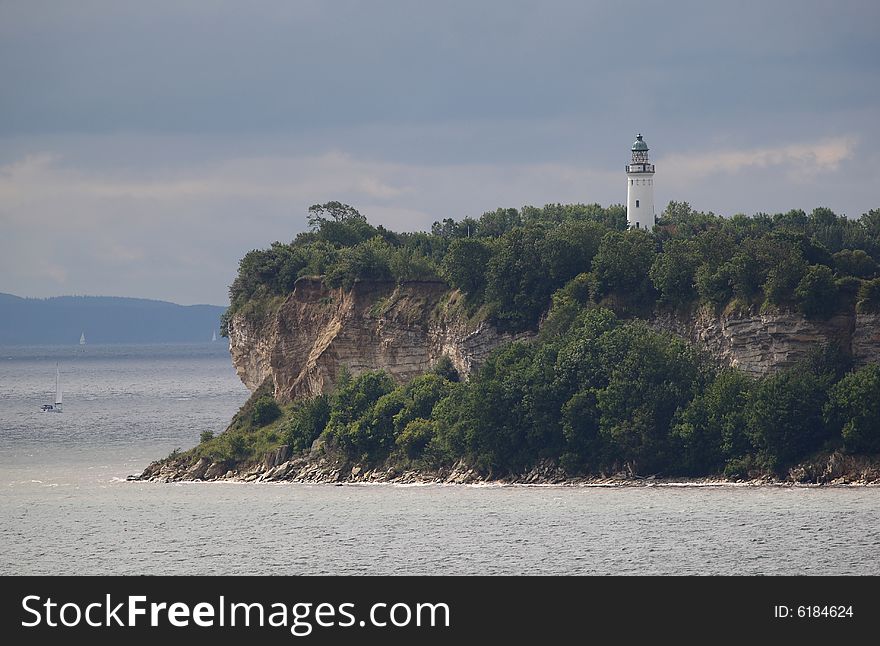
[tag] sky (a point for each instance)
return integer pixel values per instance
(145, 147)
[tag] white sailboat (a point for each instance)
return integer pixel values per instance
(82, 338)
(214, 335)
(58, 406)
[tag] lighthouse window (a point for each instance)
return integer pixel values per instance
(637, 204)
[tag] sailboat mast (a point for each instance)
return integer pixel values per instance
(57, 387)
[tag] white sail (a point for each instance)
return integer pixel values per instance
(214, 335)
(57, 388)
(82, 338)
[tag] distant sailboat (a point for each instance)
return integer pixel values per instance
(57, 408)
(214, 335)
(82, 338)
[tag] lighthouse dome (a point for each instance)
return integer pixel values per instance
(639, 145)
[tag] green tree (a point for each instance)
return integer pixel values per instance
(783, 279)
(857, 263)
(870, 221)
(785, 416)
(853, 409)
(650, 376)
(869, 296)
(568, 250)
(622, 264)
(265, 411)
(494, 224)
(517, 287)
(816, 292)
(361, 417)
(367, 260)
(306, 422)
(332, 211)
(712, 428)
(713, 285)
(674, 272)
(415, 438)
(580, 427)
(464, 265)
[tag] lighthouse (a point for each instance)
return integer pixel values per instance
(640, 188)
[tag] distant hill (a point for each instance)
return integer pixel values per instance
(103, 319)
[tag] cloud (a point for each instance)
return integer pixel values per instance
(802, 161)
(178, 232)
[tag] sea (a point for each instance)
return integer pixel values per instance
(67, 508)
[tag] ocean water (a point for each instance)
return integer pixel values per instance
(67, 509)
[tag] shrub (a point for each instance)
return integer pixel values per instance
(415, 438)
(785, 416)
(853, 408)
(816, 292)
(265, 411)
(306, 422)
(869, 296)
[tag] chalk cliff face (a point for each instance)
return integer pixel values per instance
(402, 329)
(405, 329)
(762, 343)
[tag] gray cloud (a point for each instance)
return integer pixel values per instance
(144, 147)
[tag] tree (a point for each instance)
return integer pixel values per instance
(869, 296)
(362, 412)
(494, 224)
(568, 249)
(517, 286)
(856, 262)
(332, 211)
(871, 222)
(580, 427)
(713, 286)
(420, 396)
(367, 260)
(853, 409)
(265, 411)
(673, 272)
(784, 278)
(415, 438)
(795, 220)
(785, 416)
(816, 292)
(464, 265)
(306, 422)
(623, 262)
(650, 376)
(712, 428)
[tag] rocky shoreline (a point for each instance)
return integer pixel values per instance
(834, 469)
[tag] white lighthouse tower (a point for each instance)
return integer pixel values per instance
(640, 188)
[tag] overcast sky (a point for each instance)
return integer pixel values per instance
(146, 146)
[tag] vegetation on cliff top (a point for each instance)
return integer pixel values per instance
(510, 262)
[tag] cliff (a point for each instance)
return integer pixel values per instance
(403, 329)
(762, 343)
(406, 328)
(301, 344)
